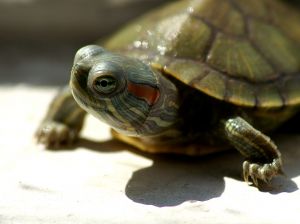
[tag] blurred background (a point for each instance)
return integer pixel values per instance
(38, 38)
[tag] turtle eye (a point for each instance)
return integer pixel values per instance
(105, 84)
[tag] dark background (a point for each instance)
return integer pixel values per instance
(38, 38)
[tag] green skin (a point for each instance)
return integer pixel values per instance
(99, 84)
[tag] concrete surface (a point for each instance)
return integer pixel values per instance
(103, 181)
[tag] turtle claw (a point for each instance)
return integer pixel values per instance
(264, 172)
(55, 135)
(246, 166)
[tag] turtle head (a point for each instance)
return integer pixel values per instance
(124, 92)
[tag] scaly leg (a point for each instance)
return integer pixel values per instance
(63, 121)
(263, 159)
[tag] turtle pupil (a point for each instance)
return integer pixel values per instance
(105, 85)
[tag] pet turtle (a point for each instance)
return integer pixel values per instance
(193, 77)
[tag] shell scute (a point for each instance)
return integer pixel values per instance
(291, 91)
(283, 53)
(242, 93)
(176, 40)
(257, 9)
(212, 84)
(238, 58)
(186, 70)
(269, 96)
(228, 20)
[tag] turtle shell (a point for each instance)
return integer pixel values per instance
(240, 51)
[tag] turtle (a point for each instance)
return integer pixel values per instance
(192, 77)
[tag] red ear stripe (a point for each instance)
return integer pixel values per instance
(145, 92)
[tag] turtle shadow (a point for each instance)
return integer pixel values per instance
(170, 180)
(108, 146)
(173, 179)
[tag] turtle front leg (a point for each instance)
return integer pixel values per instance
(263, 159)
(62, 122)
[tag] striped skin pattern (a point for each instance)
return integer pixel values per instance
(143, 103)
(71, 113)
(263, 159)
(63, 121)
(246, 138)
